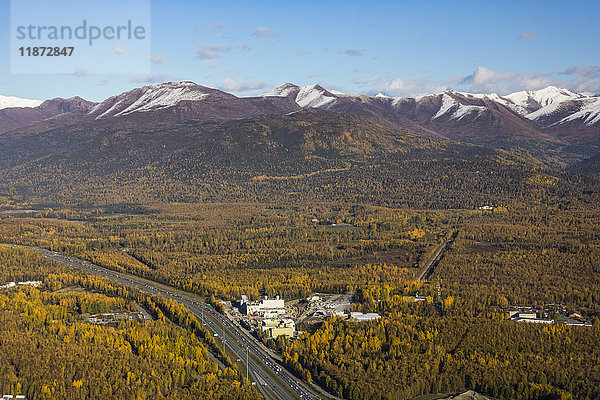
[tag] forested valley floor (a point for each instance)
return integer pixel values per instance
(513, 255)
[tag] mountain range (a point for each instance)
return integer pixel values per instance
(549, 119)
(180, 141)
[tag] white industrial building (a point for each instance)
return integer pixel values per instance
(267, 308)
(359, 317)
(527, 314)
(26, 283)
(533, 320)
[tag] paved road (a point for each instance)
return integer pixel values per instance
(427, 270)
(238, 342)
(272, 379)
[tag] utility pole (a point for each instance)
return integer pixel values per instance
(247, 363)
(439, 296)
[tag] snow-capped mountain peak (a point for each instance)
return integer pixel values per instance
(314, 96)
(549, 106)
(13, 102)
(282, 91)
(148, 98)
(589, 112)
(311, 96)
(457, 109)
(534, 100)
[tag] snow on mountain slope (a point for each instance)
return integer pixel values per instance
(589, 112)
(530, 103)
(163, 97)
(549, 106)
(464, 110)
(460, 110)
(447, 103)
(11, 102)
(498, 99)
(545, 111)
(312, 96)
(150, 98)
(558, 106)
(534, 100)
(282, 91)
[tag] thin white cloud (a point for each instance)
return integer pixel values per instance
(224, 26)
(158, 59)
(262, 31)
(583, 79)
(401, 86)
(373, 80)
(412, 86)
(529, 36)
(484, 80)
(152, 79)
(215, 52)
(353, 52)
(332, 87)
(118, 49)
(211, 52)
(591, 71)
(234, 86)
(78, 72)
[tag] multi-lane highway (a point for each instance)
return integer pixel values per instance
(237, 342)
(271, 378)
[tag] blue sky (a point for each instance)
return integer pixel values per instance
(396, 47)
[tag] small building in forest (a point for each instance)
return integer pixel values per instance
(360, 317)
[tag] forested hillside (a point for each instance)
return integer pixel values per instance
(309, 156)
